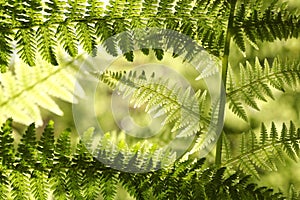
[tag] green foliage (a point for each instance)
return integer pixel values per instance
(266, 152)
(38, 168)
(182, 108)
(253, 23)
(117, 154)
(27, 89)
(254, 81)
(78, 175)
(293, 194)
(74, 22)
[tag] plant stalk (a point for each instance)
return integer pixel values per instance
(225, 60)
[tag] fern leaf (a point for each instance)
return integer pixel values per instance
(27, 147)
(226, 149)
(20, 185)
(104, 30)
(205, 22)
(31, 88)
(6, 50)
(211, 128)
(95, 8)
(269, 24)
(237, 108)
(182, 107)
(4, 187)
(6, 144)
(67, 36)
(55, 9)
(26, 45)
(86, 37)
(134, 7)
(239, 40)
(181, 180)
(75, 8)
(130, 183)
(74, 184)
(46, 145)
(254, 84)
(57, 178)
(46, 44)
(293, 194)
(254, 154)
(63, 149)
(139, 158)
(39, 185)
(125, 38)
(109, 185)
(90, 183)
(289, 140)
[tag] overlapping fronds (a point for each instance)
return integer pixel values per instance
(255, 82)
(182, 108)
(27, 90)
(253, 23)
(73, 22)
(42, 24)
(185, 111)
(52, 168)
(115, 153)
(267, 151)
(67, 174)
(189, 180)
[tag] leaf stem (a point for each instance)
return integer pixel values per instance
(225, 60)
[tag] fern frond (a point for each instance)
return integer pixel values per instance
(253, 23)
(54, 10)
(91, 181)
(264, 153)
(94, 8)
(20, 185)
(66, 35)
(181, 107)
(137, 186)
(26, 45)
(211, 33)
(203, 21)
(27, 148)
(57, 179)
(187, 113)
(86, 37)
(67, 180)
(138, 158)
(105, 31)
(46, 146)
(4, 187)
(6, 50)
(73, 183)
(75, 8)
(39, 185)
(125, 38)
(30, 88)
(46, 44)
(109, 186)
(212, 130)
(254, 83)
(6, 144)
